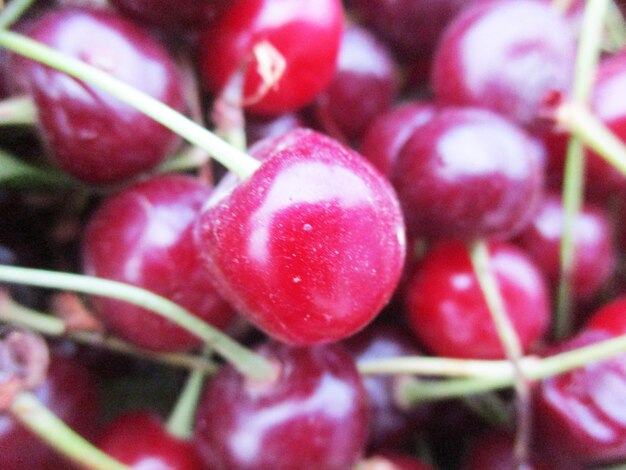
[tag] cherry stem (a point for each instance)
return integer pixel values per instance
(18, 315)
(589, 47)
(490, 407)
(32, 414)
(245, 361)
(416, 391)
(237, 161)
(479, 254)
(18, 174)
(180, 422)
(13, 11)
(614, 22)
(18, 111)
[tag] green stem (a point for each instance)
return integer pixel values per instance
(479, 255)
(615, 28)
(18, 111)
(237, 161)
(16, 314)
(32, 414)
(13, 11)
(19, 174)
(589, 47)
(180, 422)
(248, 363)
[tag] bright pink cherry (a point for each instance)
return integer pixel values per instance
(312, 416)
(306, 34)
(90, 134)
(311, 246)
(143, 236)
(447, 309)
(510, 57)
(468, 173)
(140, 440)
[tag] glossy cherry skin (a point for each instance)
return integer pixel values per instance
(390, 425)
(311, 246)
(448, 312)
(143, 236)
(580, 414)
(385, 137)
(363, 86)
(468, 173)
(511, 57)
(90, 134)
(312, 416)
(596, 253)
(71, 394)
(289, 26)
(140, 440)
(171, 15)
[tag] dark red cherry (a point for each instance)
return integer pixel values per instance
(596, 253)
(468, 173)
(171, 15)
(91, 135)
(494, 451)
(306, 34)
(140, 440)
(311, 246)
(71, 394)
(143, 236)
(507, 56)
(390, 424)
(580, 415)
(364, 86)
(447, 309)
(312, 416)
(385, 137)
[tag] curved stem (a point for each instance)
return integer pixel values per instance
(13, 11)
(479, 255)
(31, 413)
(237, 161)
(248, 363)
(18, 110)
(589, 47)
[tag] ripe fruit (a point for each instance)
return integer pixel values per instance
(312, 416)
(143, 236)
(306, 34)
(448, 312)
(91, 135)
(311, 246)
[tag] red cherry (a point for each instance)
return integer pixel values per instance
(595, 251)
(307, 35)
(494, 450)
(448, 312)
(468, 173)
(312, 416)
(71, 394)
(311, 246)
(140, 440)
(143, 236)
(506, 56)
(91, 135)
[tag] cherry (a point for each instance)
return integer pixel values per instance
(595, 251)
(140, 440)
(494, 451)
(311, 246)
(143, 236)
(510, 57)
(447, 310)
(390, 424)
(168, 15)
(468, 173)
(385, 137)
(313, 415)
(364, 86)
(259, 127)
(91, 135)
(289, 26)
(71, 394)
(388, 461)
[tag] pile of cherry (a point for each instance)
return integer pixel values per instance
(387, 245)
